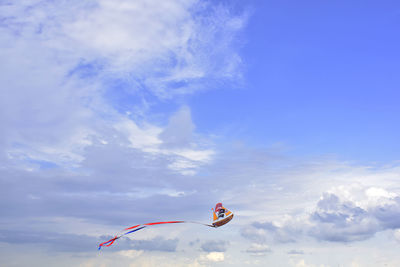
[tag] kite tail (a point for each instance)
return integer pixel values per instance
(109, 242)
(140, 227)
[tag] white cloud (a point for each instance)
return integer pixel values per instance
(145, 138)
(127, 34)
(215, 256)
(343, 214)
(66, 58)
(162, 46)
(185, 154)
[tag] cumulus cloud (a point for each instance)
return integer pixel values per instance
(355, 213)
(343, 214)
(340, 220)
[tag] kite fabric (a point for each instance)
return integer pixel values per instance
(221, 216)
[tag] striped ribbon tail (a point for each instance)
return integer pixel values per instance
(109, 242)
(140, 227)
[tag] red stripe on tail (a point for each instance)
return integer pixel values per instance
(129, 228)
(112, 240)
(154, 223)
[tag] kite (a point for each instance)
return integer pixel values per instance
(221, 216)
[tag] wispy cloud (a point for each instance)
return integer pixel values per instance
(72, 64)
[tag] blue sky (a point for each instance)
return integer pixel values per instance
(116, 113)
(320, 77)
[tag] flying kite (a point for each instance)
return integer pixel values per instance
(221, 216)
